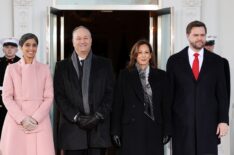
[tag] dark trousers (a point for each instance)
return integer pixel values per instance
(85, 152)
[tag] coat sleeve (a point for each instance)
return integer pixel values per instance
(61, 99)
(222, 95)
(105, 106)
(227, 77)
(48, 95)
(166, 109)
(117, 108)
(8, 97)
(169, 96)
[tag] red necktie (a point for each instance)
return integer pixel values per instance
(195, 66)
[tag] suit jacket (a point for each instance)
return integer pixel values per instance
(69, 102)
(197, 105)
(139, 134)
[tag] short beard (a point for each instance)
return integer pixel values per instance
(197, 47)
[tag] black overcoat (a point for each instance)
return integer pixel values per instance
(197, 105)
(139, 134)
(227, 76)
(68, 101)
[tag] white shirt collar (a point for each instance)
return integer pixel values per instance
(191, 57)
(80, 58)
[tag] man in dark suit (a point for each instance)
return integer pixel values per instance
(199, 96)
(9, 47)
(83, 86)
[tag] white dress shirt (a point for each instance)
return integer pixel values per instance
(191, 57)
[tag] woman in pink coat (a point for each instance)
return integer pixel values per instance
(27, 95)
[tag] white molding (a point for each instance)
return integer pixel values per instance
(23, 2)
(106, 7)
(191, 3)
(191, 13)
(22, 18)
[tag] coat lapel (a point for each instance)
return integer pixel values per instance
(75, 87)
(136, 84)
(153, 81)
(72, 74)
(185, 63)
(93, 71)
(204, 66)
(187, 67)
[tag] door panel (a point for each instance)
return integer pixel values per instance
(55, 42)
(113, 33)
(163, 35)
(163, 43)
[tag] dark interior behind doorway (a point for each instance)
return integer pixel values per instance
(113, 32)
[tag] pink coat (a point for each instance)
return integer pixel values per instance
(27, 91)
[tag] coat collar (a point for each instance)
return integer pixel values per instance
(205, 65)
(6, 60)
(136, 82)
(22, 62)
(185, 63)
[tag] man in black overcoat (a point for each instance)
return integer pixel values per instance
(9, 47)
(83, 87)
(199, 96)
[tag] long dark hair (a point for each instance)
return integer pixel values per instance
(134, 54)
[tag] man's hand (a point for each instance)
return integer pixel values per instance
(29, 123)
(88, 122)
(92, 122)
(222, 129)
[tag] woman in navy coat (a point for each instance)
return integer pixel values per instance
(141, 115)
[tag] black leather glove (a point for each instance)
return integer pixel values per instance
(116, 140)
(88, 122)
(166, 139)
(82, 121)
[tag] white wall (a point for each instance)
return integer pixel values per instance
(179, 33)
(39, 26)
(218, 17)
(209, 14)
(6, 19)
(225, 23)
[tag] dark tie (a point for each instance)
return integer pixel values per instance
(81, 69)
(195, 66)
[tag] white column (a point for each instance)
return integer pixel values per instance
(30, 16)
(22, 17)
(6, 21)
(209, 16)
(225, 24)
(191, 10)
